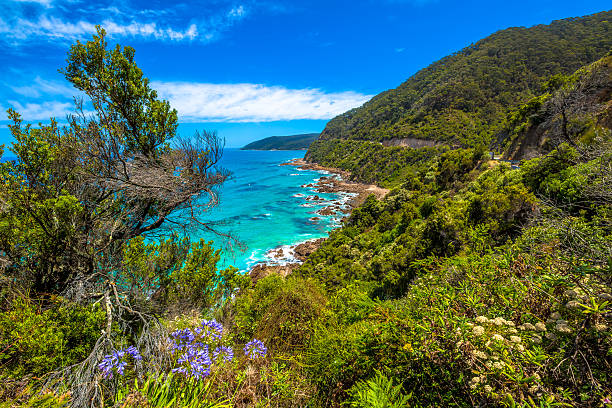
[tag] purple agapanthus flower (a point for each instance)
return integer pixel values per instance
(211, 328)
(209, 331)
(181, 339)
(194, 363)
(116, 360)
(226, 353)
(255, 349)
(133, 352)
(106, 366)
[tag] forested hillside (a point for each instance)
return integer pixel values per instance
(571, 107)
(463, 99)
(293, 142)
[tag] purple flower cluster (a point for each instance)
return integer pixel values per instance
(193, 347)
(210, 329)
(223, 352)
(208, 332)
(181, 339)
(195, 363)
(255, 349)
(116, 361)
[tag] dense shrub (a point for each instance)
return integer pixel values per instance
(280, 312)
(36, 337)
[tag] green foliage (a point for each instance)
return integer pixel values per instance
(75, 195)
(572, 108)
(31, 399)
(36, 339)
(241, 381)
(119, 88)
(381, 240)
(470, 290)
(469, 284)
(39, 217)
(168, 391)
(379, 392)
(370, 161)
(454, 166)
(199, 279)
(279, 312)
(182, 275)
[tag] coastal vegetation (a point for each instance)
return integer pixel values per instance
(472, 283)
(293, 142)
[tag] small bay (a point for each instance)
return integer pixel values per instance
(265, 205)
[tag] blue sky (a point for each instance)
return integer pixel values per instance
(251, 69)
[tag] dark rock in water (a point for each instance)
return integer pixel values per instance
(326, 211)
(314, 198)
(276, 253)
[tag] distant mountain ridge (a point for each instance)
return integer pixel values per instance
(463, 99)
(293, 142)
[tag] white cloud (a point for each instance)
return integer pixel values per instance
(55, 23)
(55, 28)
(198, 102)
(43, 111)
(41, 87)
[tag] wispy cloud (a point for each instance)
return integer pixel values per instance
(43, 88)
(42, 111)
(39, 99)
(201, 102)
(66, 24)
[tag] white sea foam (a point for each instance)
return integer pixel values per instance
(285, 257)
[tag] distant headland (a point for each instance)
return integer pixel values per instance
(293, 142)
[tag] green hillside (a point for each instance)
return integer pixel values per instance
(571, 108)
(294, 142)
(463, 98)
(470, 283)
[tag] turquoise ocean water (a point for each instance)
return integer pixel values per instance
(265, 206)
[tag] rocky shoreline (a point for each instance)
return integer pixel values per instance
(325, 184)
(337, 185)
